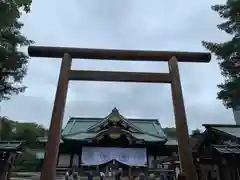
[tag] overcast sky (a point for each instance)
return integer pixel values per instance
(126, 24)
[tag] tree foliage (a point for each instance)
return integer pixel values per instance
(225, 52)
(6, 129)
(28, 132)
(13, 62)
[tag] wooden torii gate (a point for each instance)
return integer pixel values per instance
(66, 74)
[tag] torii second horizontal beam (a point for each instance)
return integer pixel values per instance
(114, 54)
(117, 76)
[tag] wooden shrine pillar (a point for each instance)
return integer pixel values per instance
(11, 165)
(184, 149)
(130, 172)
(5, 165)
(54, 136)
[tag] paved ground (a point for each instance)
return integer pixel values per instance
(36, 176)
(59, 177)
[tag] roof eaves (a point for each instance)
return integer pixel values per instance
(11, 145)
(83, 119)
(110, 115)
(72, 134)
(158, 130)
(221, 125)
(99, 122)
(142, 120)
(130, 123)
(153, 135)
(45, 139)
(72, 126)
(155, 123)
(215, 129)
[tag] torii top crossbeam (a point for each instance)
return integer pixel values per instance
(114, 54)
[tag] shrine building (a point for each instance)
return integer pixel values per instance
(141, 144)
(114, 139)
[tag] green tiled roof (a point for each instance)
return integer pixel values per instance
(151, 126)
(81, 135)
(78, 125)
(233, 130)
(78, 128)
(10, 145)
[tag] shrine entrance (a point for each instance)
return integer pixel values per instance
(67, 74)
(115, 160)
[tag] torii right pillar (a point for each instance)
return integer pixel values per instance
(184, 148)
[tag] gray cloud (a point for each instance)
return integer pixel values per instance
(154, 25)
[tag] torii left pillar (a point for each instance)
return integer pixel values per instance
(53, 142)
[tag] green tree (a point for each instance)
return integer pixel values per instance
(228, 53)
(29, 132)
(6, 129)
(13, 62)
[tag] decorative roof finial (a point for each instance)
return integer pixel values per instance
(115, 110)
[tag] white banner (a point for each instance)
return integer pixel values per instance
(102, 155)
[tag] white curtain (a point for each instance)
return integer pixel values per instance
(102, 155)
